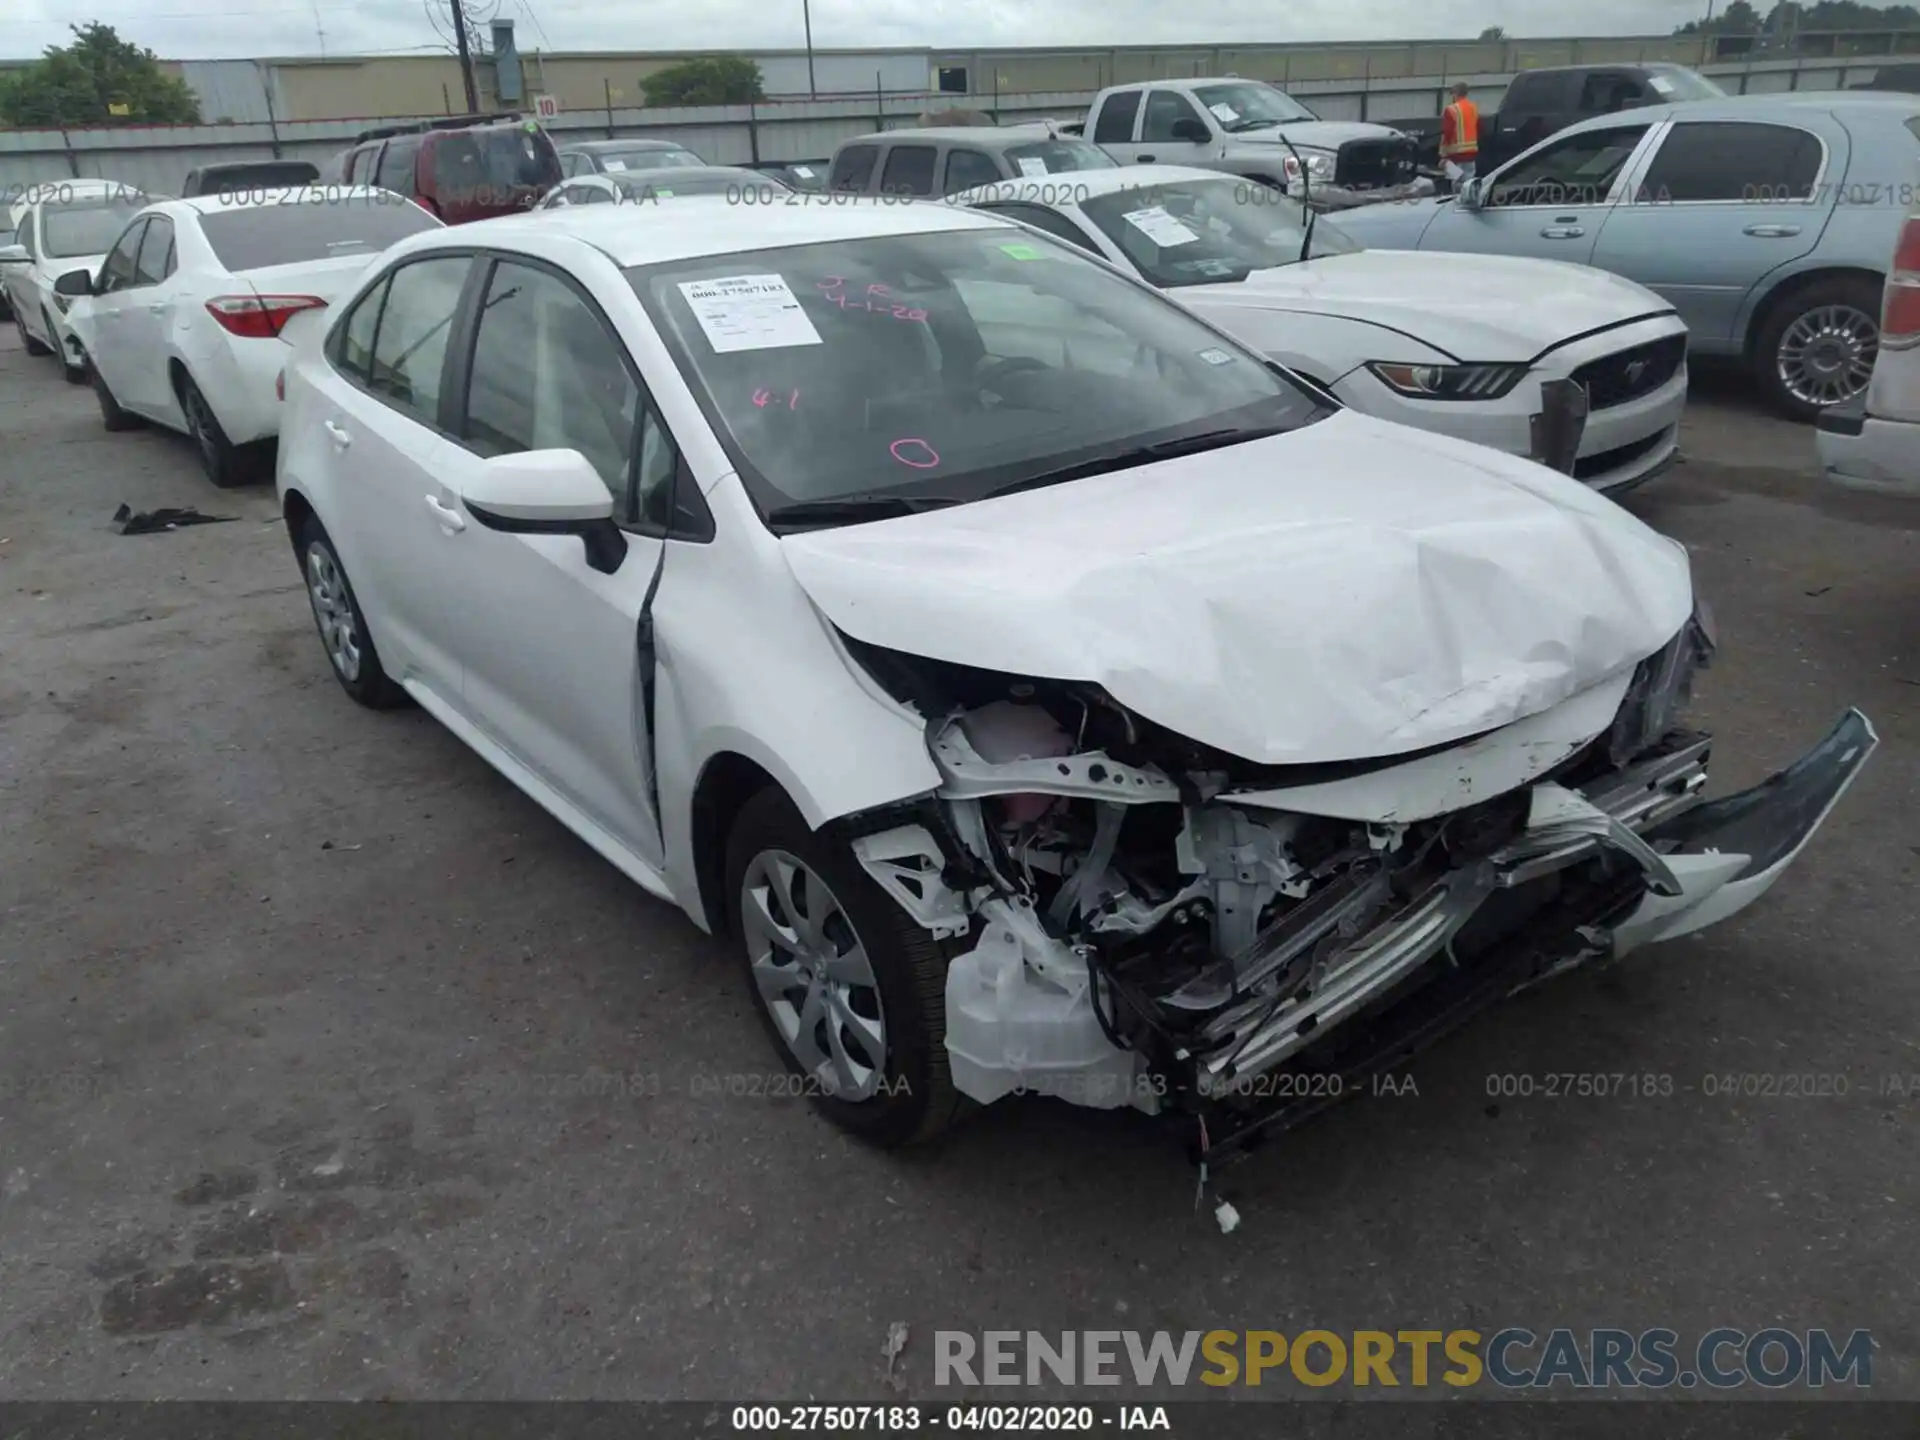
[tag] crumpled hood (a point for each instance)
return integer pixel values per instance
(1314, 134)
(1473, 307)
(1351, 590)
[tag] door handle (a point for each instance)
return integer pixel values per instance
(1143, 159)
(157, 309)
(1563, 232)
(1772, 232)
(337, 434)
(451, 520)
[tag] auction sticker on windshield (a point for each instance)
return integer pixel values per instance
(1031, 165)
(1224, 113)
(1161, 228)
(748, 312)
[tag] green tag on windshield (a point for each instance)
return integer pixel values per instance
(1022, 252)
(664, 194)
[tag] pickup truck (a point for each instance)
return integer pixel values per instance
(1246, 127)
(1540, 102)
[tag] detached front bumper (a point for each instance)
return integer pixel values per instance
(1635, 859)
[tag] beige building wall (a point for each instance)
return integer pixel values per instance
(373, 87)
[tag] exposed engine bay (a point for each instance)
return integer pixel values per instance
(1137, 919)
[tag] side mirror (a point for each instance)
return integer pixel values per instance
(14, 255)
(548, 492)
(1191, 130)
(74, 283)
(1472, 197)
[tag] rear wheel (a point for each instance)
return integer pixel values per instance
(851, 991)
(27, 342)
(343, 631)
(1817, 346)
(225, 463)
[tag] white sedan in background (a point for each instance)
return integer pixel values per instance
(665, 183)
(1118, 725)
(1502, 351)
(59, 226)
(183, 325)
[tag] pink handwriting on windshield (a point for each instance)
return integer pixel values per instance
(764, 397)
(877, 299)
(915, 448)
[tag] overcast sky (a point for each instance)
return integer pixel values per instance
(208, 29)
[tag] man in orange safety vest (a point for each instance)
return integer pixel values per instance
(1460, 134)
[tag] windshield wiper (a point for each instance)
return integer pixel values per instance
(1140, 455)
(852, 509)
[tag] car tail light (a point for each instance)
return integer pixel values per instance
(1900, 320)
(259, 317)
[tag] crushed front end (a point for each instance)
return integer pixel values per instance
(1137, 919)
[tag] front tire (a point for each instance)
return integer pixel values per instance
(852, 992)
(343, 628)
(1817, 346)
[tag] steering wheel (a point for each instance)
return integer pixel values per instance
(994, 372)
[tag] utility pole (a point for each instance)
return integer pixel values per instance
(466, 56)
(806, 16)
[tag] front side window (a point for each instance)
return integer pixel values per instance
(1057, 157)
(1114, 125)
(943, 366)
(117, 270)
(251, 237)
(1204, 232)
(1051, 221)
(853, 167)
(1577, 170)
(966, 169)
(410, 343)
(86, 227)
(1246, 105)
(548, 375)
(1724, 160)
(155, 260)
(1165, 110)
(909, 171)
(1608, 91)
(469, 162)
(396, 165)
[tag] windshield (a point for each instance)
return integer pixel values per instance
(1203, 232)
(83, 229)
(467, 160)
(748, 187)
(321, 229)
(1246, 105)
(1676, 82)
(1054, 157)
(939, 367)
(617, 160)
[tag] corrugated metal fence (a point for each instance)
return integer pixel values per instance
(157, 158)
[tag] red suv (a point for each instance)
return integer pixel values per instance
(469, 167)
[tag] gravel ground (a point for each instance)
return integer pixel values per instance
(301, 1009)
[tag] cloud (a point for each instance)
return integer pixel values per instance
(212, 29)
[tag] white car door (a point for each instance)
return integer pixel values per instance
(102, 325)
(1172, 131)
(384, 455)
(139, 378)
(548, 643)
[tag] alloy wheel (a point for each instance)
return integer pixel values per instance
(333, 611)
(1826, 355)
(813, 975)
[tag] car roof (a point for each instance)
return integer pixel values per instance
(1077, 186)
(596, 147)
(259, 199)
(985, 136)
(673, 175)
(702, 225)
(1843, 103)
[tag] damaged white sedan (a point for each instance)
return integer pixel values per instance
(1126, 725)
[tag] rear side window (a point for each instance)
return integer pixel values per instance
(353, 349)
(396, 165)
(360, 164)
(1608, 91)
(1913, 124)
(853, 167)
(410, 342)
(256, 236)
(1538, 92)
(1732, 161)
(155, 260)
(499, 159)
(1114, 125)
(909, 171)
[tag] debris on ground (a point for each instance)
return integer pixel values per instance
(1228, 1217)
(896, 1342)
(147, 522)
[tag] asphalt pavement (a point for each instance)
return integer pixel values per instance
(331, 1066)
